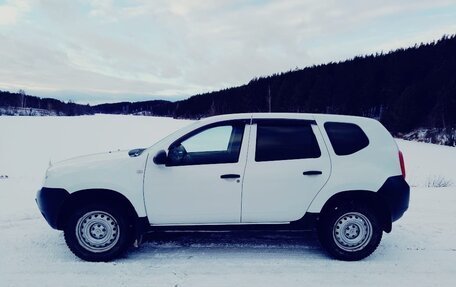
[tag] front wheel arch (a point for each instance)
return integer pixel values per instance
(88, 196)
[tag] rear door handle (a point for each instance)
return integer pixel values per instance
(312, 172)
(230, 175)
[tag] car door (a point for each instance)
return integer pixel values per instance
(287, 165)
(201, 182)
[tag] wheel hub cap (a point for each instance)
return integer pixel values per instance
(352, 231)
(97, 231)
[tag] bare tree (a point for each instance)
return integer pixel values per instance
(212, 109)
(23, 98)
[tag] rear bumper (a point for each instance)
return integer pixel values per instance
(50, 202)
(395, 192)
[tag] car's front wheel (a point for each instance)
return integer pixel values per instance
(350, 232)
(98, 232)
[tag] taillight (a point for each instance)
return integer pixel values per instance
(401, 160)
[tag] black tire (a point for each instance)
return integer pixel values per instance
(98, 232)
(350, 232)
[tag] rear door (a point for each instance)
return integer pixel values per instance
(287, 165)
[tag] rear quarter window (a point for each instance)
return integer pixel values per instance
(346, 138)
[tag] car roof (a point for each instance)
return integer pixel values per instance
(303, 116)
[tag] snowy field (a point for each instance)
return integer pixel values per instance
(421, 250)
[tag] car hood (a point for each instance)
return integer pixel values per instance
(121, 171)
(97, 159)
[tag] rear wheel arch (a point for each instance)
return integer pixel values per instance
(87, 196)
(361, 197)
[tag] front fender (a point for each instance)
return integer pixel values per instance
(124, 175)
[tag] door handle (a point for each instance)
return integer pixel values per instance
(312, 172)
(230, 175)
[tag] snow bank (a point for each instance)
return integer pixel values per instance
(442, 136)
(426, 163)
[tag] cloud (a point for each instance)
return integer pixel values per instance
(134, 49)
(12, 10)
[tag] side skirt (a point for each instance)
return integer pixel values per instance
(307, 222)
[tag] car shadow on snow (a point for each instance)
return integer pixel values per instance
(240, 243)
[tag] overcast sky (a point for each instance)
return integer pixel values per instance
(107, 51)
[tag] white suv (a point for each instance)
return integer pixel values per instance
(342, 174)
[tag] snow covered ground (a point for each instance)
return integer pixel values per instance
(421, 250)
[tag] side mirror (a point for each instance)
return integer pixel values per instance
(160, 158)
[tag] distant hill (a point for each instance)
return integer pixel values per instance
(405, 89)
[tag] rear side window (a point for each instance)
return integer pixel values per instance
(346, 138)
(282, 141)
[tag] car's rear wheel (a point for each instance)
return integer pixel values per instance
(350, 232)
(98, 232)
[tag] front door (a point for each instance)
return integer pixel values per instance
(202, 180)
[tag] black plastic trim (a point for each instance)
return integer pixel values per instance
(50, 202)
(136, 152)
(312, 172)
(288, 122)
(142, 226)
(230, 175)
(395, 192)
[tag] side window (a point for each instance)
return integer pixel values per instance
(346, 138)
(213, 139)
(284, 141)
(212, 145)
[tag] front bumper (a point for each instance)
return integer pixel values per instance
(50, 202)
